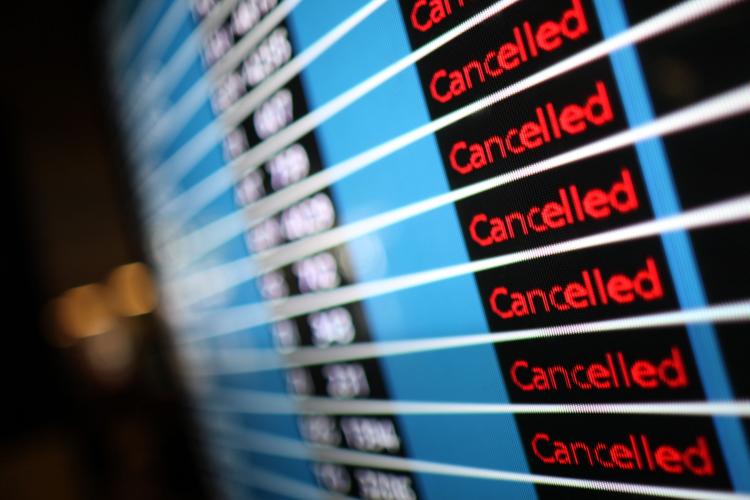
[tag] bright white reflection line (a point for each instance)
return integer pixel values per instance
(256, 402)
(270, 444)
(205, 191)
(232, 319)
(238, 360)
(707, 111)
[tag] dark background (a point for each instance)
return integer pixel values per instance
(66, 431)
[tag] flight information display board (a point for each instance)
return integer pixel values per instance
(449, 248)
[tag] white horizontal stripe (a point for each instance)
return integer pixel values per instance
(195, 245)
(216, 17)
(238, 318)
(256, 402)
(270, 444)
(239, 360)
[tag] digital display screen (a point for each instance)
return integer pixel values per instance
(449, 248)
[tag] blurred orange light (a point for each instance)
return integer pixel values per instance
(131, 290)
(83, 311)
